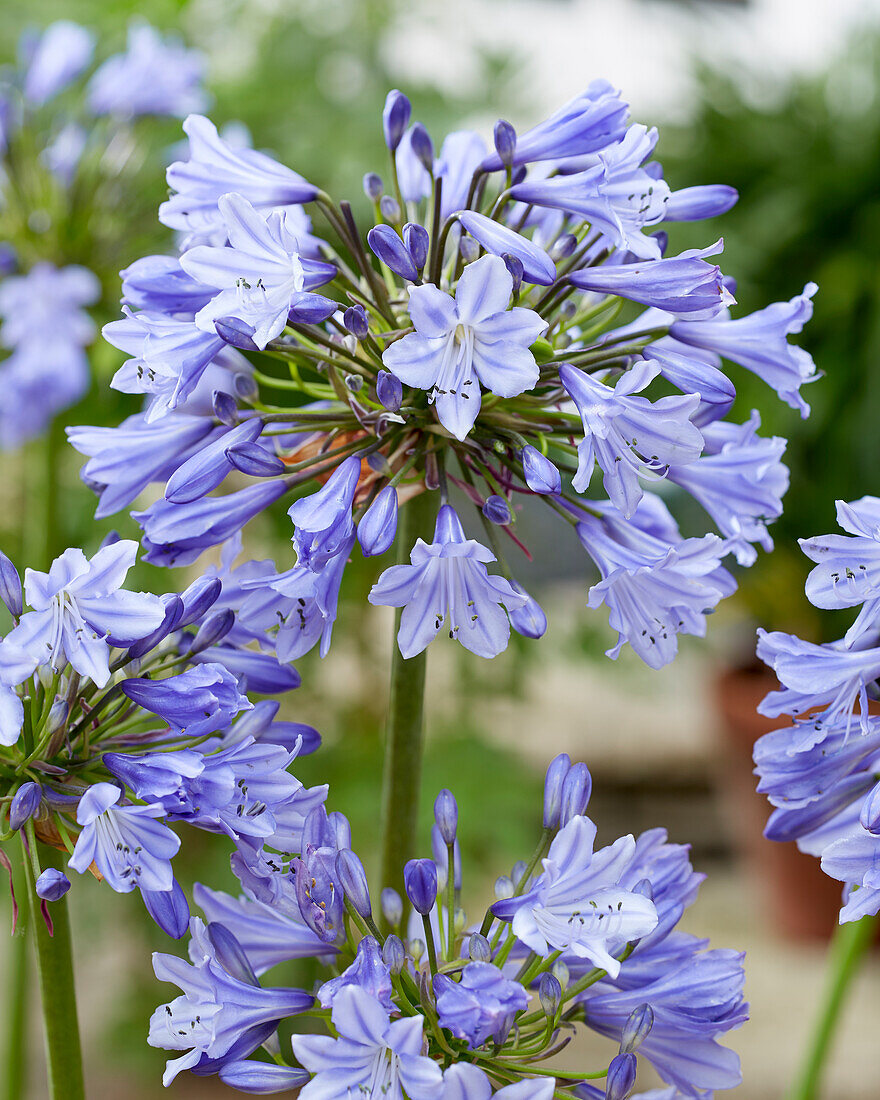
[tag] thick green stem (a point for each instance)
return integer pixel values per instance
(14, 1058)
(55, 968)
(849, 944)
(405, 726)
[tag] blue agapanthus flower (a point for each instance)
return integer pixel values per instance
(434, 1005)
(511, 326)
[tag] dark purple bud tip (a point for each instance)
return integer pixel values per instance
(479, 949)
(236, 332)
(621, 1077)
(556, 773)
(394, 954)
(420, 881)
(515, 266)
(446, 815)
(230, 954)
(52, 885)
(389, 208)
(173, 612)
(254, 460)
(373, 186)
(25, 804)
(576, 790)
(497, 510)
(392, 906)
(353, 880)
(417, 240)
(550, 994)
(10, 586)
(355, 321)
(225, 408)
(563, 247)
(395, 117)
(423, 147)
(505, 142)
(311, 309)
(389, 390)
(213, 630)
(636, 1029)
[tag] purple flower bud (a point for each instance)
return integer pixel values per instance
(245, 387)
(420, 881)
(497, 510)
(57, 715)
(225, 407)
(173, 612)
(373, 186)
(515, 266)
(500, 240)
(469, 249)
(262, 1077)
(213, 629)
(377, 528)
(389, 390)
(389, 208)
(550, 994)
(394, 954)
(52, 885)
(446, 815)
(505, 142)
(10, 586)
(395, 117)
(387, 245)
(528, 620)
(8, 258)
(556, 773)
(200, 595)
(576, 790)
(254, 460)
(870, 815)
(422, 147)
(692, 204)
(479, 949)
(504, 887)
(636, 1029)
(392, 906)
(540, 474)
(353, 880)
(230, 954)
(236, 332)
(312, 309)
(416, 239)
(563, 247)
(25, 804)
(644, 887)
(621, 1077)
(354, 383)
(355, 321)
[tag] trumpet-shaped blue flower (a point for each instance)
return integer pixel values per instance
(464, 342)
(55, 59)
(373, 1057)
(322, 522)
(198, 701)
(447, 579)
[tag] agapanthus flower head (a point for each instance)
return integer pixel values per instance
(582, 936)
(463, 352)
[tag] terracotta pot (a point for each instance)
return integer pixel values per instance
(801, 901)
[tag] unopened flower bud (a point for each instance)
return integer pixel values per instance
(540, 474)
(354, 382)
(355, 320)
(10, 586)
(385, 242)
(563, 247)
(389, 208)
(244, 385)
(497, 510)
(197, 598)
(173, 612)
(254, 460)
(373, 186)
(416, 239)
(469, 249)
(393, 954)
(392, 906)
(518, 870)
(57, 715)
(378, 526)
(236, 332)
(479, 949)
(353, 880)
(389, 390)
(644, 888)
(515, 266)
(576, 790)
(52, 884)
(550, 994)
(213, 629)
(395, 117)
(504, 887)
(446, 815)
(870, 814)
(505, 142)
(311, 309)
(420, 881)
(636, 1029)
(225, 408)
(621, 1077)
(560, 972)
(556, 773)
(230, 954)
(459, 920)
(25, 803)
(422, 147)
(528, 620)
(416, 949)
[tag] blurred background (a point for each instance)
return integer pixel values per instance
(780, 98)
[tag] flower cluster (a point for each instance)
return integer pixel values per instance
(123, 712)
(421, 1003)
(56, 154)
(822, 773)
(510, 327)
